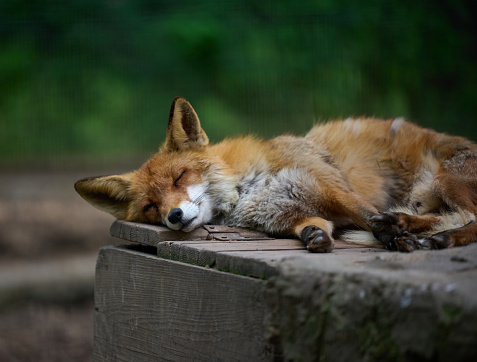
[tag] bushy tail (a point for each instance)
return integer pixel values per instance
(361, 237)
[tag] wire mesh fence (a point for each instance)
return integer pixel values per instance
(92, 81)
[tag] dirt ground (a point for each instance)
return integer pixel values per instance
(33, 331)
(46, 301)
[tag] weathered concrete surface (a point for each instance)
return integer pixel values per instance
(389, 307)
(352, 304)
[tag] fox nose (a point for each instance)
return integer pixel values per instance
(175, 216)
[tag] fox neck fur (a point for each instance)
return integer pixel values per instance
(341, 174)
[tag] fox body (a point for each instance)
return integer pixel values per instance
(341, 175)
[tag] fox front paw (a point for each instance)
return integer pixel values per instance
(390, 229)
(386, 223)
(386, 228)
(316, 239)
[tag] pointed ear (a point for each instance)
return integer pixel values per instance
(183, 130)
(111, 194)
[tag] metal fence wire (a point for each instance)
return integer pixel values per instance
(93, 80)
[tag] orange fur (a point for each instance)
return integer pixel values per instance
(342, 174)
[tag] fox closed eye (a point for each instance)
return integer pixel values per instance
(176, 182)
(151, 206)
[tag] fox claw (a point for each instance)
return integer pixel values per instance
(409, 242)
(386, 229)
(387, 240)
(385, 223)
(316, 239)
(385, 217)
(439, 241)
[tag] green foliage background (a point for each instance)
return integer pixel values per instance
(92, 80)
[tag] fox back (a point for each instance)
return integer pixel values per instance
(341, 175)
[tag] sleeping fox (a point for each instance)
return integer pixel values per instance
(341, 175)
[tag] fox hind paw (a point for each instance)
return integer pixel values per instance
(389, 228)
(441, 240)
(409, 242)
(316, 239)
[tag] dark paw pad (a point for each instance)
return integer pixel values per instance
(439, 241)
(385, 228)
(316, 239)
(385, 223)
(409, 242)
(387, 240)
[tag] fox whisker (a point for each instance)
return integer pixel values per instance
(198, 199)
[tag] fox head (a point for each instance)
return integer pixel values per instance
(183, 186)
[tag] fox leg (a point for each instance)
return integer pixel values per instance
(464, 235)
(457, 191)
(315, 233)
(397, 223)
(353, 206)
(396, 230)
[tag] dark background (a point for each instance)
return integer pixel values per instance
(86, 86)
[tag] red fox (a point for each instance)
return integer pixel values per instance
(341, 175)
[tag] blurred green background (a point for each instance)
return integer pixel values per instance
(90, 82)
(86, 87)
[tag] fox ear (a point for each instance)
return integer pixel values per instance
(111, 194)
(183, 130)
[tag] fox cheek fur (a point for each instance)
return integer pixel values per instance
(182, 186)
(413, 188)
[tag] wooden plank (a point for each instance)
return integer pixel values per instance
(316, 307)
(147, 308)
(265, 264)
(241, 245)
(205, 254)
(255, 258)
(148, 234)
(261, 244)
(151, 235)
(244, 232)
(310, 306)
(257, 264)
